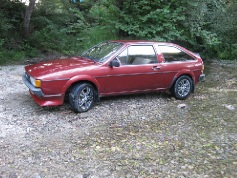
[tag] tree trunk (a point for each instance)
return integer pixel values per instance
(28, 13)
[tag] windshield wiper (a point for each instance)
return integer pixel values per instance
(93, 59)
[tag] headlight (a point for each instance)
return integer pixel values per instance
(36, 83)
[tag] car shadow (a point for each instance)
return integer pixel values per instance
(24, 100)
(137, 97)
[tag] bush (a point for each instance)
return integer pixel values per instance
(11, 56)
(228, 52)
(94, 35)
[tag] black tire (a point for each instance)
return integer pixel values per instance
(182, 87)
(82, 97)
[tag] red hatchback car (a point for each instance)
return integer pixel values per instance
(114, 68)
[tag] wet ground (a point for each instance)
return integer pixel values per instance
(150, 135)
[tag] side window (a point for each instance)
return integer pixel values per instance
(172, 54)
(123, 57)
(138, 55)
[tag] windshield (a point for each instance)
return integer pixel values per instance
(102, 51)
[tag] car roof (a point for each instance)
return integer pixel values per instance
(134, 42)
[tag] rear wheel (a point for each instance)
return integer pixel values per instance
(81, 97)
(182, 87)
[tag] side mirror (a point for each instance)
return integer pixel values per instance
(114, 63)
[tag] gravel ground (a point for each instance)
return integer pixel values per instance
(150, 135)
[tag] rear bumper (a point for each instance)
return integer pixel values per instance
(201, 78)
(40, 98)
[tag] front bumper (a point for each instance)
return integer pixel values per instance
(201, 78)
(36, 91)
(40, 98)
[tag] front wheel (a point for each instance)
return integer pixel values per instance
(182, 87)
(81, 97)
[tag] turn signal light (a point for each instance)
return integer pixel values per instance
(38, 83)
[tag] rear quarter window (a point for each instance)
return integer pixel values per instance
(173, 54)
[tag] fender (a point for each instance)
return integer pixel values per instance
(81, 78)
(184, 72)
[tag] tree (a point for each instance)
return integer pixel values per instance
(211, 27)
(28, 13)
(143, 19)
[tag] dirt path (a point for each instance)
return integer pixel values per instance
(129, 136)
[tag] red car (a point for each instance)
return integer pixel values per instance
(114, 68)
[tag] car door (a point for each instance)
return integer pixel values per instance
(175, 60)
(138, 71)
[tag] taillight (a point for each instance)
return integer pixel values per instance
(203, 67)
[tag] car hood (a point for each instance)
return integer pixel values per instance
(58, 68)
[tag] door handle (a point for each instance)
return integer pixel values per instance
(156, 68)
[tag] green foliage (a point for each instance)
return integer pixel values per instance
(212, 27)
(62, 26)
(69, 36)
(57, 32)
(16, 54)
(141, 19)
(9, 56)
(1, 48)
(228, 51)
(5, 25)
(224, 24)
(94, 35)
(10, 26)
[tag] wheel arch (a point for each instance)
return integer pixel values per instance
(71, 83)
(189, 74)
